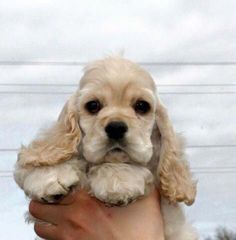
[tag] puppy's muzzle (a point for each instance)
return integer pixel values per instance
(116, 130)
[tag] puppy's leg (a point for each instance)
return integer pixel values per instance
(119, 183)
(176, 227)
(51, 183)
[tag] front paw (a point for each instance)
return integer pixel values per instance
(119, 184)
(52, 183)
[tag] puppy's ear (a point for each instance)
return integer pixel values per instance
(174, 175)
(56, 144)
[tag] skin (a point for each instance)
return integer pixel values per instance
(81, 217)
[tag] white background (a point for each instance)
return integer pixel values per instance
(189, 48)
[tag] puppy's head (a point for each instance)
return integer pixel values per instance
(116, 112)
(123, 120)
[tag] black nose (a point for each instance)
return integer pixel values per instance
(116, 130)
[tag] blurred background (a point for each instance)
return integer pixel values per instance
(188, 47)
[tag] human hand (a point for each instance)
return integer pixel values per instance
(81, 217)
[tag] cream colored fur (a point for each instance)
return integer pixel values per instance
(126, 182)
(77, 151)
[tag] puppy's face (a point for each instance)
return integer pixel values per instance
(117, 112)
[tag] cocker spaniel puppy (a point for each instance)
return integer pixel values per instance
(114, 138)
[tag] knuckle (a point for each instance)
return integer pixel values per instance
(33, 208)
(86, 200)
(82, 195)
(73, 221)
(91, 205)
(72, 235)
(38, 229)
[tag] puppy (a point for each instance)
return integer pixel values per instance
(114, 138)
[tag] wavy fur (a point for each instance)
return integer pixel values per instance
(56, 144)
(175, 178)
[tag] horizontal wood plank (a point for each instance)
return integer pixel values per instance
(173, 75)
(201, 119)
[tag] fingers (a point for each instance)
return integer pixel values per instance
(52, 212)
(46, 231)
(45, 212)
(69, 199)
(77, 196)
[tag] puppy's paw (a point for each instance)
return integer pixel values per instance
(118, 184)
(52, 183)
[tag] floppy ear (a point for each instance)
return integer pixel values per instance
(57, 144)
(175, 178)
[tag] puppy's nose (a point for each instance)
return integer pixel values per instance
(116, 130)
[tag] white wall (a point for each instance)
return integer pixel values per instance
(189, 48)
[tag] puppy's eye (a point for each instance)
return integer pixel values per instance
(93, 106)
(141, 107)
